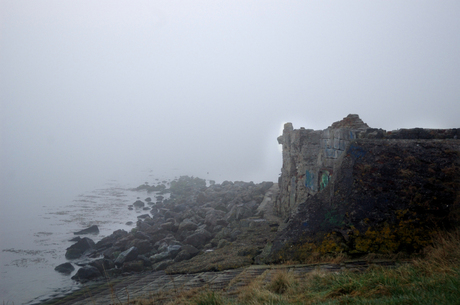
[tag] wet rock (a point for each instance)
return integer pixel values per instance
(144, 215)
(110, 240)
(79, 248)
(102, 264)
(91, 230)
(86, 273)
(126, 256)
(66, 268)
(138, 204)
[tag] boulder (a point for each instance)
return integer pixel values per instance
(143, 246)
(187, 225)
(91, 230)
(66, 268)
(141, 235)
(169, 226)
(159, 257)
(102, 264)
(198, 239)
(86, 273)
(138, 204)
(110, 240)
(212, 216)
(173, 250)
(126, 256)
(79, 248)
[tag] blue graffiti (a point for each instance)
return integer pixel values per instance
(310, 180)
(356, 151)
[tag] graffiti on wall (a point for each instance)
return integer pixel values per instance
(356, 151)
(310, 181)
(324, 178)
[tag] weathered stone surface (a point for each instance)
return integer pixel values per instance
(79, 248)
(91, 230)
(138, 204)
(198, 239)
(86, 273)
(127, 256)
(66, 268)
(102, 264)
(159, 257)
(354, 189)
(110, 240)
(187, 225)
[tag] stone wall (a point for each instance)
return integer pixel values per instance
(311, 157)
(357, 189)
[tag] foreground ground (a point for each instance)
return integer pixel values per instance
(433, 279)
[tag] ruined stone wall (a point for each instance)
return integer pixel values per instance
(355, 189)
(311, 157)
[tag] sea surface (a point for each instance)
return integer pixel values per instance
(36, 228)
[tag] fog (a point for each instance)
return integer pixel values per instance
(96, 90)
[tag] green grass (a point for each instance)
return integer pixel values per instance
(433, 279)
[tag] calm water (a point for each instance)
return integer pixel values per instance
(36, 228)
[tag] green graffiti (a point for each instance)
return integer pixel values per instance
(325, 178)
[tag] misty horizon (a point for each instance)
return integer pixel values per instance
(90, 90)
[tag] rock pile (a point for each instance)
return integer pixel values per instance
(195, 220)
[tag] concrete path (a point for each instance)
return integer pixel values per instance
(123, 289)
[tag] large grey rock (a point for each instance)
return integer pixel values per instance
(127, 256)
(138, 204)
(159, 257)
(110, 240)
(187, 225)
(66, 268)
(102, 264)
(79, 248)
(143, 246)
(91, 230)
(198, 239)
(86, 273)
(173, 250)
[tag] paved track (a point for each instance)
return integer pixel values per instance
(121, 290)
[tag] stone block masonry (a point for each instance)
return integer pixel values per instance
(358, 189)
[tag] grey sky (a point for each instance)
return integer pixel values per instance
(96, 88)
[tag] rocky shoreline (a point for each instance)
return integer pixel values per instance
(198, 228)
